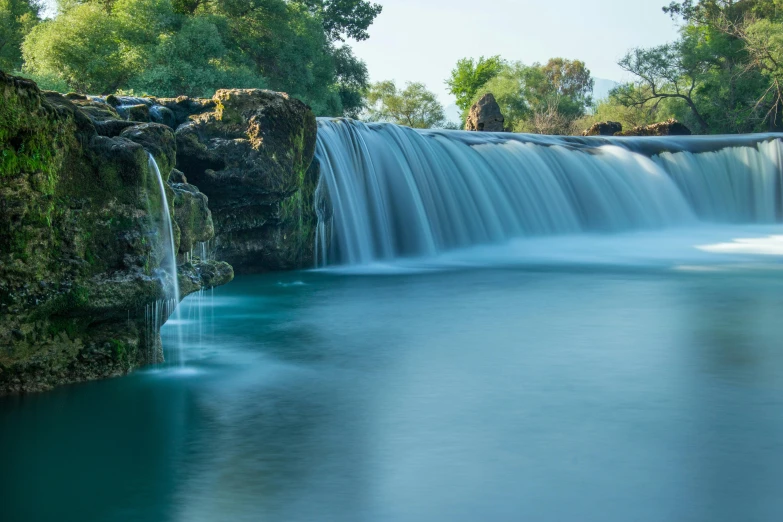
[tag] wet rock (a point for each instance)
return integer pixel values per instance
(192, 214)
(164, 116)
(80, 241)
(604, 128)
(669, 127)
(485, 115)
(158, 140)
(251, 155)
(140, 112)
(177, 176)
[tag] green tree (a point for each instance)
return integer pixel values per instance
(470, 75)
(344, 18)
(413, 106)
(666, 71)
(540, 98)
(17, 18)
(193, 47)
(719, 69)
(508, 88)
(84, 47)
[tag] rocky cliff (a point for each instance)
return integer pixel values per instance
(250, 155)
(81, 242)
(83, 246)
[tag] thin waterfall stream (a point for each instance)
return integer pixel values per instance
(170, 307)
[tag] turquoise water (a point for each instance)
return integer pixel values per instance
(539, 391)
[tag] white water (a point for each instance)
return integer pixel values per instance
(161, 312)
(397, 192)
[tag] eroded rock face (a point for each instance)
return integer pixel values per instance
(604, 128)
(670, 127)
(485, 115)
(80, 241)
(250, 156)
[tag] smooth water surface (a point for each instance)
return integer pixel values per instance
(539, 392)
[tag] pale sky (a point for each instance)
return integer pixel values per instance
(421, 40)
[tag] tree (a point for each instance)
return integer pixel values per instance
(666, 71)
(17, 18)
(508, 88)
(470, 75)
(571, 80)
(543, 99)
(343, 18)
(414, 106)
(719, 69)
(193, 47)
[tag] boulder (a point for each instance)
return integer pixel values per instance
(140, 112)
(192, 214)
(669, 127)
(485, 115)
(604, 128)
(251, 155)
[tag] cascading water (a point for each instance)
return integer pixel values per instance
(397, 192)
(161, 312)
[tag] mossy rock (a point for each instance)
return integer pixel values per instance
(81, 245)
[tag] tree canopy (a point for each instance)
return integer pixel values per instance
(413, 106)
(540, 98)
(724, 73)
(17, 18)
(470, 75)
(193, 47)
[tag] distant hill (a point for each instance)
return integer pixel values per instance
(602, 88)
(453, 113)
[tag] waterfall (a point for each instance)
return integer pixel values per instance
(162, 311)
(398, 192)
(168, 229)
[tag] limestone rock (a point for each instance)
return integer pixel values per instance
(669, 127)
(250, 155)
(604, 128)
(140, 112)
(158, 140)
(192, 214)
(485, 115)
(80, 241)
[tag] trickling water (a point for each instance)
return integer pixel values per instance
(161, 314)
(400, 192)
(171, 251)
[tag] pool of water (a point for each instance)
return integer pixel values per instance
(538, 391)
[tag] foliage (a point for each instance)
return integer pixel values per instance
(193, 47)
(413, 106)
(17, 18)
(539, 98)
(343, 18)
(470, 75)
(508, 87)
(723, 68)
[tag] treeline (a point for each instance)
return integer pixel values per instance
(193, 47)
(723, 75)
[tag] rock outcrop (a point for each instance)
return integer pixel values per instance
(80, 238)
(251, 155)
(670, 127)
(485, 115)
(604, 128)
